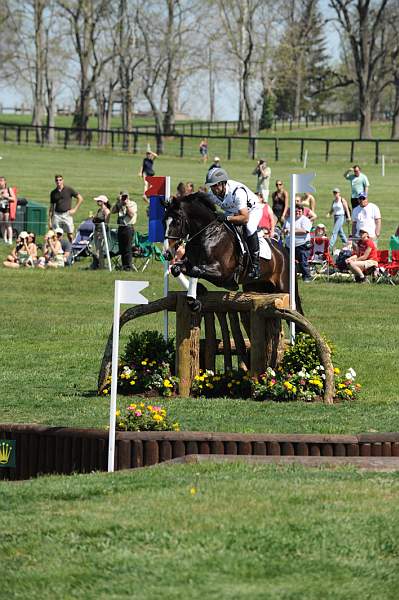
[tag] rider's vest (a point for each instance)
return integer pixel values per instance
(237, 197)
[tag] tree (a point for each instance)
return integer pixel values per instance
(360, 21)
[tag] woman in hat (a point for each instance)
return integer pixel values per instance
(339, 209)
(21, 254)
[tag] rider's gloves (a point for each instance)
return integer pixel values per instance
(222, 218)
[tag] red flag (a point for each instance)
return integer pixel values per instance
(157, 186)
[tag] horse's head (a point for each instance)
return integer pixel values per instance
(185, 216)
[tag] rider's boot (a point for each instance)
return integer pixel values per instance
(253, 247)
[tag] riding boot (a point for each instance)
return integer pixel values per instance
(253, 247)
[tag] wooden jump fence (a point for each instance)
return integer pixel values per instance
(258, 316)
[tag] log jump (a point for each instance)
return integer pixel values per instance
(258, 316)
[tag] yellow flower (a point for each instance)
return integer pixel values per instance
(229, 385)
(287, 385)
(105, 391)
(132, 382)
(143, 362)
(176, 427)
(337, 371)
(167, 383)
(341, 386)
(193, 491)
(157, 417)
(118, 413)
(348, 392)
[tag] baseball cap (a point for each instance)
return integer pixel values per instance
(365, 229)
(362, 195)
(59, 230)
(336, 191)
(124, 194)
(101, 198)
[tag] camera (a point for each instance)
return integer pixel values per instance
(3, 204)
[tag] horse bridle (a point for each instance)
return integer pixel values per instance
(186, 237)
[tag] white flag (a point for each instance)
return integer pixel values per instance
(301, 183)
(128, 292)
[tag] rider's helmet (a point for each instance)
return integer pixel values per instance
(216, 175)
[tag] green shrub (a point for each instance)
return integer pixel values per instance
(302, 354)
(149, 346)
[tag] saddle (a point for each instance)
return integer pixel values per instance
(243, 252)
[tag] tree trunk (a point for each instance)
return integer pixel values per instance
(365, 118)
(395, 116)
(38, 91)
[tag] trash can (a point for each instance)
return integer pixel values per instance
(18, 224)
(36, 218)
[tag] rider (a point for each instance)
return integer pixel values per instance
(241, 207)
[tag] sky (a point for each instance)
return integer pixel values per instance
(195, 104)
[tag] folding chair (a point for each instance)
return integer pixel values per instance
(320, 261)
(144, 250)
(383, 273)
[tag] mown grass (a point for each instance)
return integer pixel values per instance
(57, 323)
(202, 531)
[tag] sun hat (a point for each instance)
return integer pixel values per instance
(59, 230)
(321, 226)
(101, 198)
(336, 191)
(23, 235)
(216, 159)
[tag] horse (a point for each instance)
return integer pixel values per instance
(212, 251)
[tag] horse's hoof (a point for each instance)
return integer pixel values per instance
(194, 304)
(175, 270)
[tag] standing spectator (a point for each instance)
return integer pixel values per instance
(339, 210)
(147, 170)
(263, 173)
(365, 258)
(216, 164)
(203, 148)
(102, 216)
(7, 197)
(368, 216)
(61, 211)
(309, 201)
(126, 210)
(65, 245)
(359, 184)
(303, 225)
(189, 188)
(280, 203)
(266, 223)
(307, 212)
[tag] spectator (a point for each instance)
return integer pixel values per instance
(359, 184)
(32, 248)
(53, 255)
(102, 215)
(7, 197)
(21, 255)
(147, 170)
(61, 211)
(65, 245)
(365, 257)
(263, 173)
(366, 215)
(280, 203)
(307, 212)
(216, 164)
(303, 226)
(309, 201)
(319, 249)
(339, 209)
(126, 210)
(203, 148)
(181, 190)
(266, 223)
(189, 188)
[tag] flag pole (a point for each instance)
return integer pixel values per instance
(292, 253)
(114, 380)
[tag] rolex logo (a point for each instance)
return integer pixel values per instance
(7, 453)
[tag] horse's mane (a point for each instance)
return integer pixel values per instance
(201, 197)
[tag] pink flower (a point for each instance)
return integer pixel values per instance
(138, 413)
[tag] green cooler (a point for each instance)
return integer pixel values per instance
(36, 218)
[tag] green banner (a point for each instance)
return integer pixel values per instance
(7, 453)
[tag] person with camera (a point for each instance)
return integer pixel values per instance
(102, 216)
(7, 196)
(24, 254)
(263, 174)
(126, 210)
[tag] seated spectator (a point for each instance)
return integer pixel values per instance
(21, 255)
(364, 258)
(320, 245)
(53, 255)
(32, 247)
(65, 245)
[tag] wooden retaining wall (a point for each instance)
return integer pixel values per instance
(41, 450)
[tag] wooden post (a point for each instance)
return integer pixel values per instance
(210, 341)
(187, 345)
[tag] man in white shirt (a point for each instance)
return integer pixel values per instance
(367, 215)
(241, 207)
(303, 225)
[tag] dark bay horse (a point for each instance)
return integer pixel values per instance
(212, 250)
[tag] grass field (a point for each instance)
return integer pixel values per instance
(248, 532)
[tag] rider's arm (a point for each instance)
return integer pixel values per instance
(241, 218)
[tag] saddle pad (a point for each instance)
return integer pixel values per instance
(264, 248)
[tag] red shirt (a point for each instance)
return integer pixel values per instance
(266, 219)
(362, 247)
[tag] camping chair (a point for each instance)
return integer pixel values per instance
(320, 260)
(144, 251)
(384, 271)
